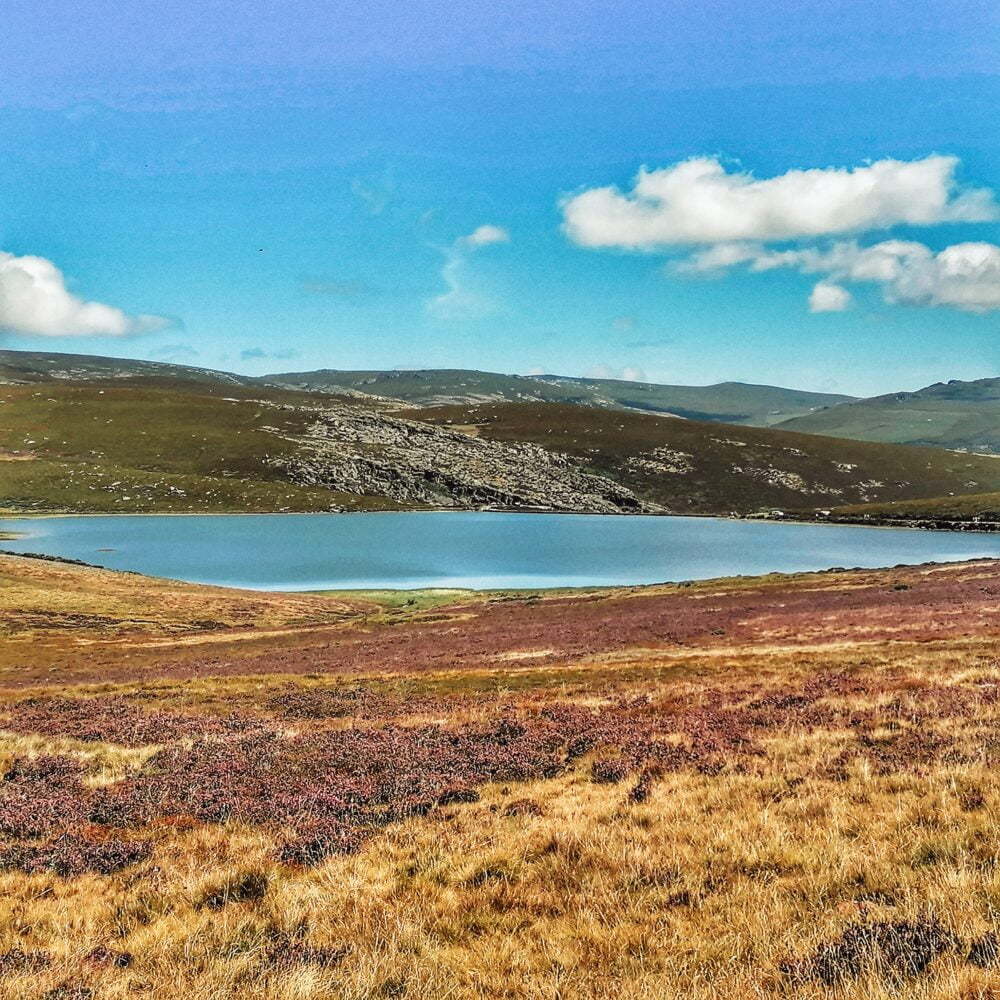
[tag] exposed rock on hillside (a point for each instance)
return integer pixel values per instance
(352, 450)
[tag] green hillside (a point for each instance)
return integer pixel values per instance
(963, 509)
(699, 468)
(961, 415)
(147, 440)
(107, 447)
(728, 402)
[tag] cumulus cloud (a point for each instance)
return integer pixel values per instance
(731, 219)
(827, 298)
(698, 202)
(964, 276)
(717, 258)
(462, 301)
(35, 301)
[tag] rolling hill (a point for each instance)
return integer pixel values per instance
(729, 402)
(27, 367)
(959, 415)
(156, 444)
(141, 445)
(694, 467)
(961, 510)
(82, 434)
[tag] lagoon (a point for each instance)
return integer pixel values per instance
(471, 549)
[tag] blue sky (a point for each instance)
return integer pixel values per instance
(267, 187)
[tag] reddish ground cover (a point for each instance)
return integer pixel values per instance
(917, 604)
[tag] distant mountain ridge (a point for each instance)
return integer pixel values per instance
(957, 415)
(18, 367)
(726, 402)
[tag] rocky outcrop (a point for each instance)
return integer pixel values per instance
(361, 451)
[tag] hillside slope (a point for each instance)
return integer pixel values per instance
(28, 367)
(962, 510)
(693, 467)
(154, 443)
(960, 415)
(728, 402)
(120, 446)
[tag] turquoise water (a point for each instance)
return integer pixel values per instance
(480, 550)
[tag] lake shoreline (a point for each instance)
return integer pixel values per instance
(908, 524)
(475, 551)
(514, 593)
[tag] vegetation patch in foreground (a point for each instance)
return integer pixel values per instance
(721, 815)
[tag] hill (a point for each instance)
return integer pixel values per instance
(767, 787)
(151, 439)
(150, 445)
(728, 402)
(959, 415)
(974, 510)
(27, 367)
(694, 467)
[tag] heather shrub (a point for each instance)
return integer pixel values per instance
(70, 855)
(114, 720)
(608, 772)
(16, 961)
(40, 796)
(110, 957)
(892, 950)
(318, 841)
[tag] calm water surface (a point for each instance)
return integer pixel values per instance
(482, 550)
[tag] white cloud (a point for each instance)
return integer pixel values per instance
(827, 297)
(483, 236)
(462, 301)
(34, 301)
(719, 257)
(698, 202)
(630, 373)
(964, 276)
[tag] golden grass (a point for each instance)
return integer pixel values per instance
(702, 891)
(42, 596)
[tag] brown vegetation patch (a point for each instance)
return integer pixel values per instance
(891, 950)
(69, 856)
(112, 720)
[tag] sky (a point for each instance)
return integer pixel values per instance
(803, 194)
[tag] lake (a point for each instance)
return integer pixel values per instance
(471, 549)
